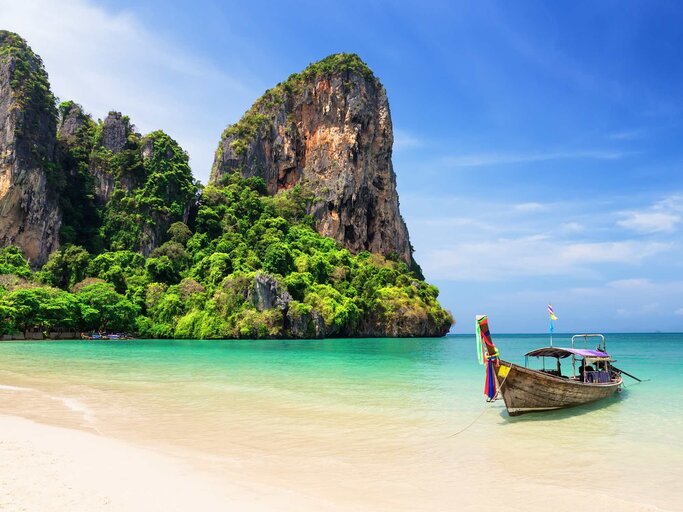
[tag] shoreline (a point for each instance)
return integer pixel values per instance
(56, 468)
(53, 469)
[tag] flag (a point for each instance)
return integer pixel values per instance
(490, 381)
(551, 312)
(480, 347)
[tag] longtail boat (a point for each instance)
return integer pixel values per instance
(527, 390)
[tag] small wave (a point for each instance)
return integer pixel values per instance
(78, 407)
(14, 388)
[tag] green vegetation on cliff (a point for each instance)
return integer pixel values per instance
(80, 215)
(253, 267)
(144, 186)
(153, 188)
(30, 88)
(257, 118)
(142, 250)
(28, 78)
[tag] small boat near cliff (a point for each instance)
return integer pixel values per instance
(592, 376)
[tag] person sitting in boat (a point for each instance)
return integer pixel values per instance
(583, 369)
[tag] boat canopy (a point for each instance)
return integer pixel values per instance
(561, 353)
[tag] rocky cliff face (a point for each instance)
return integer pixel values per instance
(29, 213)
(330, 129)
(115, 131)
(174, 186)
(124, 190)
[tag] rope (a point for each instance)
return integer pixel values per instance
(485, 408)
(473, 422)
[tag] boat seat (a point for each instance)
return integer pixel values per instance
(596, 377)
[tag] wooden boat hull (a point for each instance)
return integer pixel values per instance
(525, 390)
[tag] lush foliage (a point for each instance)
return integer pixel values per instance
(31, 90)
(142, 251)
(28, 78)
(80, 214)
(150, 185)
(252, 267)
(39, 308)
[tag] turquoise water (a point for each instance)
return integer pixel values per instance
(371, 405)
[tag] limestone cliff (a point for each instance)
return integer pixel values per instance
(80, 212)
(124, 190)
(29, 213)
(329, 128)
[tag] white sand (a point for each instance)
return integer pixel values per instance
(45, 468)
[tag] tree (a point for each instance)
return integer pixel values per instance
(106, 309)
(12, 261)
(278, 259)
(162, 270)
(59, 310)
(26, 304)
(66, 267)
(179, 232)
(117, 268)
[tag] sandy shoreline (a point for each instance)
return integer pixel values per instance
(47, 468)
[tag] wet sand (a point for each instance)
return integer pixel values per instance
(48, 468)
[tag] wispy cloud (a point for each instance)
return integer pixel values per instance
(495, 158)
(572, 227)
(663, 217)
(404, 140)
(532, 256)
(650, 222)
(637, 298)
(631, 284)
(529, 207)
(626, 135)
(111, 60)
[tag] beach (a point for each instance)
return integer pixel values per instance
(335, 425)
(54, 469)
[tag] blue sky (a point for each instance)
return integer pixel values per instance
(538, 144)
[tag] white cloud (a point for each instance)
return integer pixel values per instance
(679, 312)
(453, 222)
(572, 227)
(626, 135)
(531, 256)
(404, 140)
(529, 207)
(672, 203)
(631, 284)
(650, 222)
(492, 159)
(109, 60)
(663, 217)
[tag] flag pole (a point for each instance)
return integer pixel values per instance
(552, 326)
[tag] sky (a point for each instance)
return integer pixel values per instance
(537, 144)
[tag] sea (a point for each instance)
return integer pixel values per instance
(368, 424)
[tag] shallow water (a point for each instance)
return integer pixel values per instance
(363, 423)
